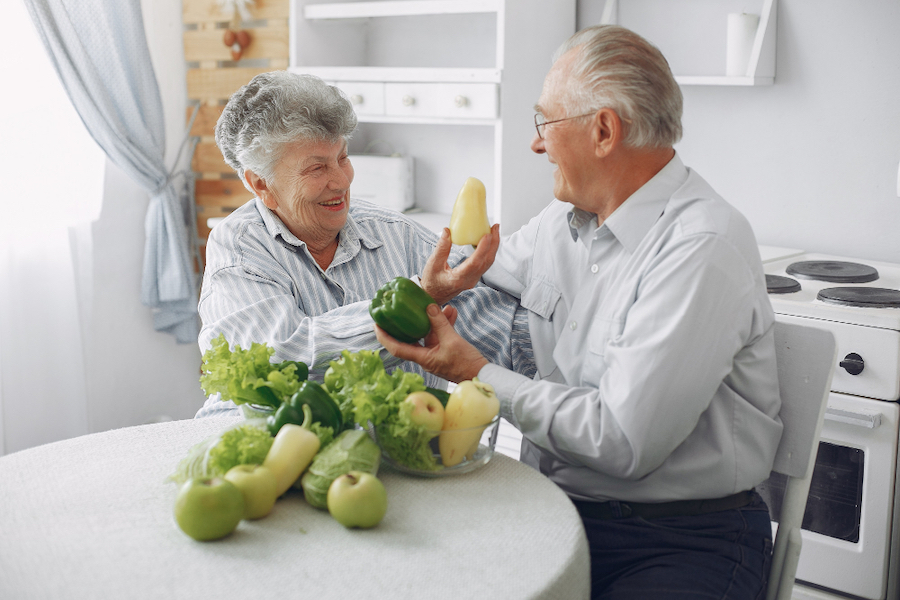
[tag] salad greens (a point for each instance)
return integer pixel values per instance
(246, 443)
(325, 434)
(369, 396)
(248, 376)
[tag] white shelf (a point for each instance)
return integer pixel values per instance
(426, 120)
(501, 47)
(432, 220)
(722, 80)
(761, 67)
(403, 74)
(403, 8)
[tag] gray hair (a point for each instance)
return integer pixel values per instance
(618, 69)
(276, 109)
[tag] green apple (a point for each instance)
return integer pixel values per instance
(208, 508)
(427, 411)
(357, 499)
(259, 487)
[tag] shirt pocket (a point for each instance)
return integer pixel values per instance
(603, 331)
(540, 297)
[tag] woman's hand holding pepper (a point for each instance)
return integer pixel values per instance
(442, 282)
(445, 353)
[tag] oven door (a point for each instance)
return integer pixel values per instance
(847, 525)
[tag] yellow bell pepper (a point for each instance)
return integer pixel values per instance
(471, 407)
(469, 220)
(292, 450)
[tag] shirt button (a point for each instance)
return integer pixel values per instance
(594, 268)
(573, 325)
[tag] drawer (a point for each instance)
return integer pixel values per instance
(366, 97)
(446, 100)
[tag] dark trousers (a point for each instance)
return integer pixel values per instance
(717, 555)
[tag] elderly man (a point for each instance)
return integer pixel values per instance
(656, 402)
(297, 267)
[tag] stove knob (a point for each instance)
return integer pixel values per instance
(853, 363)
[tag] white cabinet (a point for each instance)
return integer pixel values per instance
(451, 83)
(367, 97)
(441, 100)
(688, 24)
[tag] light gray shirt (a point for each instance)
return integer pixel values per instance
(261, 284)
(653, 338)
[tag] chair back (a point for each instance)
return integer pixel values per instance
(806, 358)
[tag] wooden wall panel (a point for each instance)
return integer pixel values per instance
(207, 44)
(198, 11)
(217, 198)
(208, 159)
(222, 193)
(204, 124)
(210, 85)
(212, 77)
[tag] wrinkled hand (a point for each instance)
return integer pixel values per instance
(445, 353)
(443, 283)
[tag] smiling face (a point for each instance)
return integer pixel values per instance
(567, 144)
(310, 191)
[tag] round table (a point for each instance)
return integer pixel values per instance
(91, 517)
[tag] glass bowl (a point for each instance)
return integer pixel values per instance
(256, 411)
(480, 441)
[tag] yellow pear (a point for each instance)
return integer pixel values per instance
(469, 220)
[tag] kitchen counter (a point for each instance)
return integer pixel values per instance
(91, 517)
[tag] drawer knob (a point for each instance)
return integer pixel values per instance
(356, 99)
(853, 363)
(408, 100)
(461, 101)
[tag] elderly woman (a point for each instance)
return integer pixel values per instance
(296, 267)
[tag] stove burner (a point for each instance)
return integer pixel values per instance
(834, 271)
(865, 297)
(778, 284)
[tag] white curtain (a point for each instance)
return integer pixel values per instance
(99, 51)
(53, 182)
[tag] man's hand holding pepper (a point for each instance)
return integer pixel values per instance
(445, 353)
(442, 282)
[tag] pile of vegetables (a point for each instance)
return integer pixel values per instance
(306, 432)
(370, 396)
(315, 439)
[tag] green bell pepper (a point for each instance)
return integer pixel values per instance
(301, 368)
(399, 308)
(321, 406)
(285, 414)
(324, 409)
(443, 396)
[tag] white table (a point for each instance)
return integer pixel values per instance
(91, 517)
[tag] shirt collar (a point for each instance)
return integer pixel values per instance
(581, 222)
(351, 234)
(631, 221)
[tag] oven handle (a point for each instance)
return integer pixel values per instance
(859, 419)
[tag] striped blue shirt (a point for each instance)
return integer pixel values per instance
(261, 284)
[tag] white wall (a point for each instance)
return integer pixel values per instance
(812, 160)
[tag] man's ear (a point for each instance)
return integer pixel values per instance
(259, 187)
(607, 132)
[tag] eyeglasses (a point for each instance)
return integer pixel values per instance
(539, 121)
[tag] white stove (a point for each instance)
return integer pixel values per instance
(851, 536)
(859, 313)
